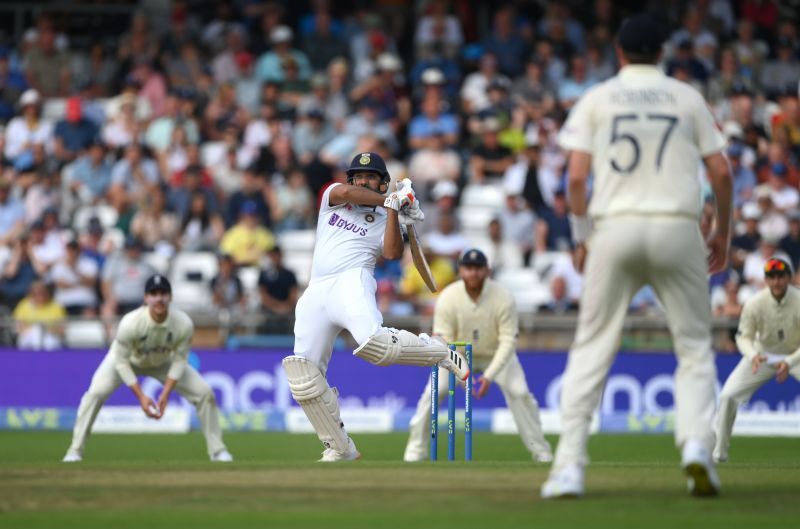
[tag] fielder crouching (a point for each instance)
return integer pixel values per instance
(152, 340)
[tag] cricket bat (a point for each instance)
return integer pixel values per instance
(419, 258)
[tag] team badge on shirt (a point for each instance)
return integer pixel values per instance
(369, 217)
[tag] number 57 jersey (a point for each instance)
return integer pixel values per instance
(647, 134)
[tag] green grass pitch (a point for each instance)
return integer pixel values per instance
(146, 481)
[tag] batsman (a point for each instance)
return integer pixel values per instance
(357, 222)
(479, 310)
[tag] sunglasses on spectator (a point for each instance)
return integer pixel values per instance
(776, 267)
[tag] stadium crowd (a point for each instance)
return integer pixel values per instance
(216, 130)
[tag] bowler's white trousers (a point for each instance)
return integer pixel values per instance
(624, 254)
(191, 385)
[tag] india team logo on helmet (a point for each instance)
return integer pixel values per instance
(369, 162)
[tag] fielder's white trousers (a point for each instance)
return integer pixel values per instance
(738, 389)
(520, 401)
(191, 385)
(626, 253)
(328, 306)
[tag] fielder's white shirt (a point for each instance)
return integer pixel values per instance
(143, 343)
(490, 323)
(348, 236)
(647, 134)
(771, 326)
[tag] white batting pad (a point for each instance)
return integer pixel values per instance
(392, 346)
(319, 401)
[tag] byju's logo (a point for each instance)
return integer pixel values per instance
(342, 223)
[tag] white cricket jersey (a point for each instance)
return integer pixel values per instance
(771, 326)
(647, 134)
(348, 236)
(143, 343)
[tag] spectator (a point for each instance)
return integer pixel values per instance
(414, 290)
(310, 135)
(133, 177)
(39, 319)
(524, 178)
(387, 88)
(506, 42)
(270, 65)
(576, 84)
(432, 120)
(226, 287)
(153, 86)
(367, 122)
(501, 252)
(160, 135)
(75, 278)
(323, 44)
(12, 215)
(47, 67)
(773, 223)
(790, 244)
(224, 63)
(201, 228)
(155, 227)
(253, 189)
(46, 247)
(750, 238)
(123, 128)
(553, 232)
(12, 84)
(751, 52)
(438, 32)
(292, 206)
(446, 240)
(330, 94)
(74, 134)
(19, 272)
(444, 194)
(560, 302)
(434, 163)
(88, 178)
(744, 180)
(783, 71)
(534, 90)
(754, 263)
(278, 289)
(474, 97)
(96, 243)
(518, 223)
(489, 160)
(247, 85)
(784, 197)
(123, 279)
(247, 240)
(27, 130)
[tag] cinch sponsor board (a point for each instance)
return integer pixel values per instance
(640, 385)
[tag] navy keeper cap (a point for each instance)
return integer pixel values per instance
(157, 283)
(473, 256)
(640, 34)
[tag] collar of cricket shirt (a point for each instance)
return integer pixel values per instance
(640, 69)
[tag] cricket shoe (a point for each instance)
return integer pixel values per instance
(720, 458)
(454, 362)
(330, 455)
(72, 457)
(566, 482)
(543, 457)
(223, 456)
(699, 468)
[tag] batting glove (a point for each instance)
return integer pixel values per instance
(411, 214)
(397, 201)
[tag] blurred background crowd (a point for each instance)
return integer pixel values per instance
(194, 137)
